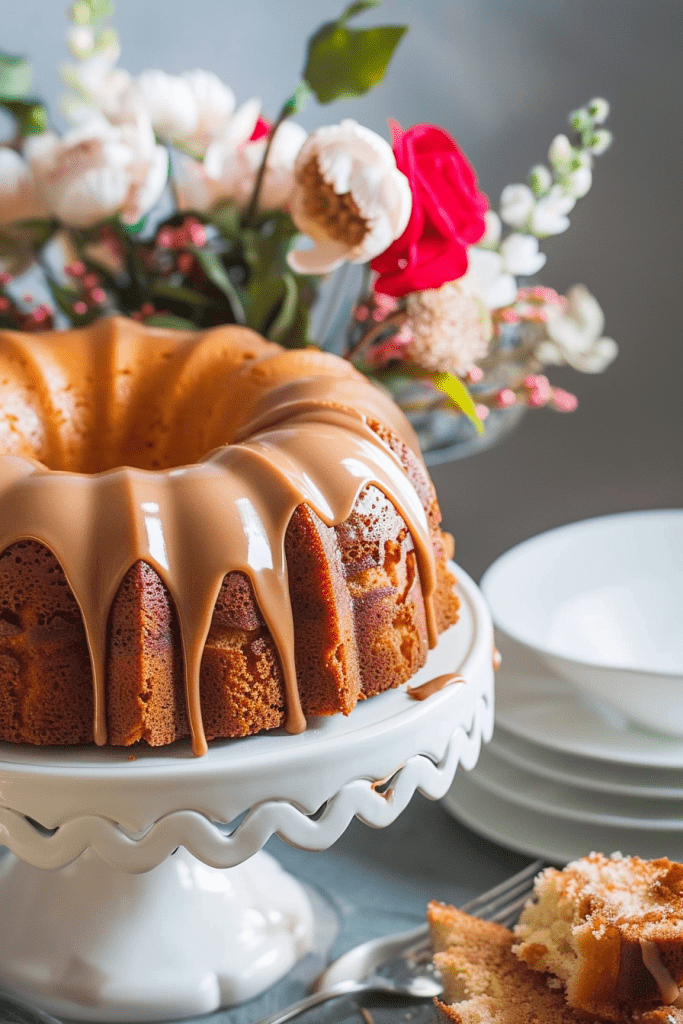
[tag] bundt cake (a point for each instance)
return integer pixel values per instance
(204, 534)
(611, 929)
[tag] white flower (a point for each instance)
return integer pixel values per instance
(19, 196)
(598, 109)
(575, 335)
(492, 231)
(560, 151)
(98, 170)
(486, 271)
(600, 142)
(521, 256)
(349, 198)
(450, 328)
(516, 205)
(578, 182)
(214, 104)
(168, 101)
(549, 216)
(194, 190)
(231, 172)
(540, 179)
(99, 85)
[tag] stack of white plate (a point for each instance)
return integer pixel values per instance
(561, 778)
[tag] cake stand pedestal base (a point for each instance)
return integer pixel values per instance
(176, 941)
(137, 888)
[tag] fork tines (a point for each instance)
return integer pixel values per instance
(504, 903)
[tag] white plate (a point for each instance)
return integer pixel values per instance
(543, 834)
(586, 772)
(571, 803)
(535, 705)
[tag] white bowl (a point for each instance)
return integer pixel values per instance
(601, 602)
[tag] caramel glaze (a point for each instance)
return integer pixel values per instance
(433, 686)
(305, 441)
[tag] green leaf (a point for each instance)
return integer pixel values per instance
(177, 293)
(358, 8)
(459, 395)
(217, 274)
(286, 315)
(30, 115)
(226, 217)
(169, 320)
(16, 75)
(343, 62)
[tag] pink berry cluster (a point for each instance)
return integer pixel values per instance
(535, 391)
(39, 318)
(170, 250)
(89, 295)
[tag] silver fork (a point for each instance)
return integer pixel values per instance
(406, 959)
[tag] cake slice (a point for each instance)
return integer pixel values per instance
(484, 983)
(611, 929)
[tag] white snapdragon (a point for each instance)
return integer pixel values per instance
(497, 287)
(98, 170)
(516, 205)
(549, 215)
(494, 274)
(349, 198)
(492, 231)
(521, 256)
(574, 334)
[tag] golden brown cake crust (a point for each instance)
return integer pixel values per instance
(361, 623)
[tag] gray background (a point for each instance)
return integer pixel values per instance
(501, 77)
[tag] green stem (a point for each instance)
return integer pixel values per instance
(292, 106)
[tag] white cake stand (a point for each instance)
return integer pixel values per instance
(104, 918)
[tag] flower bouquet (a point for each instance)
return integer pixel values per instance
(168, 203)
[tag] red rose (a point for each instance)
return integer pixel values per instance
(447, 216)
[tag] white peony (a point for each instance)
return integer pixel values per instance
(98, 170)
(167, 100)
(349, 198)
(19, 195)
(214, 104)
(574, 335)
(232, 171)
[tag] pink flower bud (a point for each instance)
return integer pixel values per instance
(98, 295)
(563, 400)
(75, 269)
(80, 307)
(505, 398)
(482, 411)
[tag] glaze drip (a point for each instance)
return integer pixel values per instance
(433, 686)
(195, 523)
